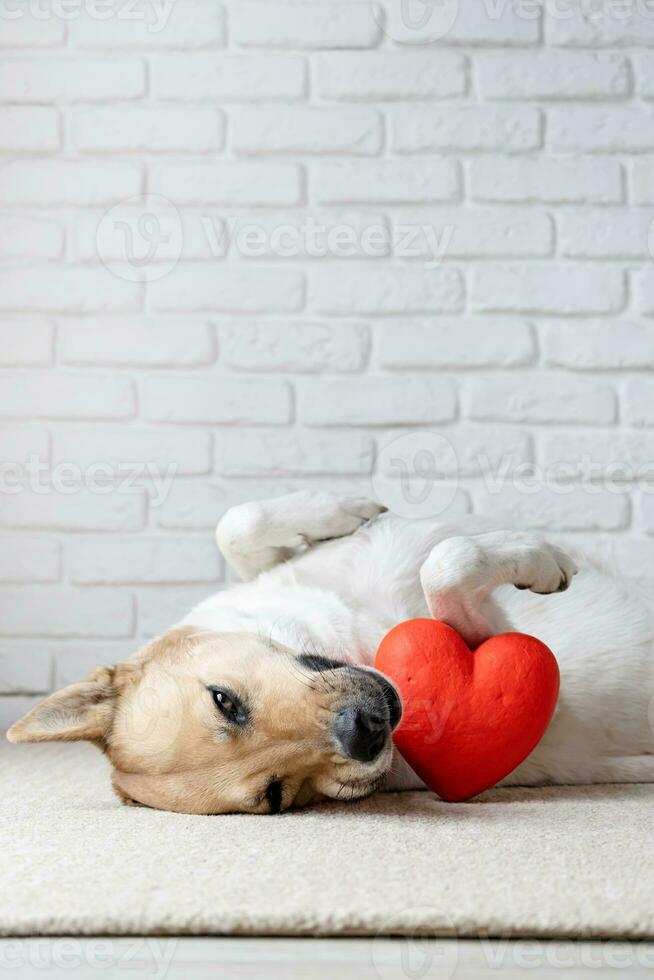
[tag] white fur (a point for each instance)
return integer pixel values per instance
(341, 596)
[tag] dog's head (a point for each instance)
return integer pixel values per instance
(201, 722)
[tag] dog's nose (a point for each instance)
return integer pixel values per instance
(361, 733)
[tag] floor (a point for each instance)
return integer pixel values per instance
(324, 959)
(554, 862)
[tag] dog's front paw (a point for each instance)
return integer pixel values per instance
(545, 569)
(336, 517)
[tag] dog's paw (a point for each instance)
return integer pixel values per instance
(332, 516)
(544, 569)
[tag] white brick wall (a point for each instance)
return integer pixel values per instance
(377, 235)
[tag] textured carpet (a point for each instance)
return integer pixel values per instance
(548, 862)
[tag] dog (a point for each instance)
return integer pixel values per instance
(264, 697)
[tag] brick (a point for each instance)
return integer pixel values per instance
(455, 342)
(304, 234)
(216, 400)
(598, 345)
(30, 238)
(377, 401)
(304, 25)
(26, 342)
(608, 25)
(416, 129)
(473, 233)
(54, 182)
(230, 78)
(386, 182)
(621, 457)
(197, 504)
(646, 507)
(29, 130)
(63, 396)
(540, 398)
(644, 70)
(554, 75)
(162, 607)
(46, 509)
(475, 24)
(605, 234)
(65, 289)
(74, 661)
(282, 454)
(161, 450)
(559, 289)
(27, 559)
(58, 611)
(438, 501)
(549, 181)
(642, 180)
(25, 668)
(94, 235)
(463, 451)
(295, 347)
(638, 401)
(68, 80)
(17, 445)
(31, 32)
(600, 129)
(202, 288)
(137, 341)
(388, 75)
(345, 291)
(128, 560)
(243, 184)
(644, 290)
(549, 509)
(151, 26)
(302, 129)
(154, 130)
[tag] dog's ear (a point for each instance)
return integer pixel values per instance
(82, 711)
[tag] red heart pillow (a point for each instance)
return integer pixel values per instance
(470, 716)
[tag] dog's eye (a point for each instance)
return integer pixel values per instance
(229, 705)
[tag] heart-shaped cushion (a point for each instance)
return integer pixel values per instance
(470, 716)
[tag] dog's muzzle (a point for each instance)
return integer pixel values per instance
(363, 727)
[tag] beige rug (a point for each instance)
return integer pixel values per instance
(551, 862)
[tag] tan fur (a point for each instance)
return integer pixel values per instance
(168, 744)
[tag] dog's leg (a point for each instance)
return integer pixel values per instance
(255, 537)
(461, 574)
